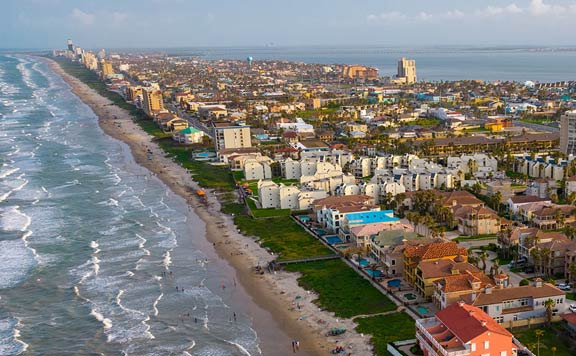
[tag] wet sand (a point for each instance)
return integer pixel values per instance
(270, 299)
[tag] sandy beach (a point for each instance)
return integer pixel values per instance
(275, 293)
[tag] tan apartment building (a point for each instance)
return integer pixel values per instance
(152, 101)
(568, 132)
(228, 135)
(106, 68)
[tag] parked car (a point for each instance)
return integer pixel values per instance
(572, 308)
(564, 286)
(529, 269)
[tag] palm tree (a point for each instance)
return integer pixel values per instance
(572, 270)
(539, 333)
(537, 257)
(495, 269)
(549, 304)
(553, 349)
(483, 256)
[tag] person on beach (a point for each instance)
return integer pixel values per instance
(234, 316)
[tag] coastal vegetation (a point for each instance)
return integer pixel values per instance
(282, 236)
(340, 289)
(386, 328)
(545, 341)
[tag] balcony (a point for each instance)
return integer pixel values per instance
(433, 346)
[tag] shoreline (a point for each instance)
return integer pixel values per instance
(274, 294)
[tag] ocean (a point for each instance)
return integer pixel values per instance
(432, 63)
(92, 246)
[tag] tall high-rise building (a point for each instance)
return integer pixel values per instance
(407, 71)
(70, 45)
(152, 101)
(568, 133)
(106, 68)
(228, 135)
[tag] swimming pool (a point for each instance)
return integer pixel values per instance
(332, 239)
(423, 310)
(374, 273)
(320, 232)
(410, 296)
(394, 283)
(304, 218)
(204, 156)
(363, 262)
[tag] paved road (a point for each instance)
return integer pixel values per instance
(193, 121)
(536, 126)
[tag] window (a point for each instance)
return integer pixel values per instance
(393, 262)
(515, 317)
(486, 345)
(502, 353)
(473, 347)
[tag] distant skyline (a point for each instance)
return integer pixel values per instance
(182, 23)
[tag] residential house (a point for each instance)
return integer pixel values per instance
(463, 329)
(451, 289)
(413, 255)
(388, 246)
(515, 203)
(429, 271)
(473, 221)
(373, 221)
(526, 304)
(188, 136)
(547, 251)
(330, 212)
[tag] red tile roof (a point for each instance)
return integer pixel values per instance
(436, 250)
(468, 322)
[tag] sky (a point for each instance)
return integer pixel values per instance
(196, 23)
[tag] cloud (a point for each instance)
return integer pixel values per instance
(536, 8)
(539, 8)
(82, 17)
(491, 11)
(386, 17)
(454, 14)
(423, 16)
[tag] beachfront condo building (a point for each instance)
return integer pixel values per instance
(568, 132)
(406, 71)
(229, 135)
(152, 101)
(106, 68)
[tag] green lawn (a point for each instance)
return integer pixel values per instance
(426, 122)
(282, 235)
(528, 338)
(340, 289)
(387, 328)
(266, 213)
(230, 207)
(238, 175)
(474, 237)
(475, 129)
